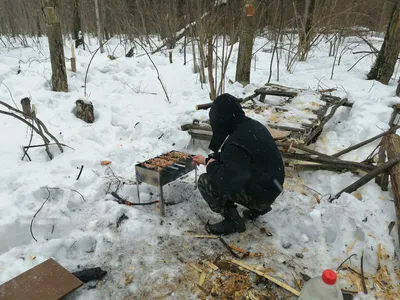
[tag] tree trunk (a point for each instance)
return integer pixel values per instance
(77, 25)
(59, 73)
(306, 33)
(393, 149)
(384, 65)
(99, 36)
(247, 32)
(398, 89)
(107, 24)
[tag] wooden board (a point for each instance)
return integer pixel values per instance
(46, 281)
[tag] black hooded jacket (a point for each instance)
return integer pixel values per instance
(249, 156)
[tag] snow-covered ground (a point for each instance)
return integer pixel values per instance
(134, 122)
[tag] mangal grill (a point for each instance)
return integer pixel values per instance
(163, 169)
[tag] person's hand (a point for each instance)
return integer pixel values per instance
(210, 161)
(199, 160)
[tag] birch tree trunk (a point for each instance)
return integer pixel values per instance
(59, 73)
(96, 7)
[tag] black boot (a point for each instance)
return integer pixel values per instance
(231, 224)
(254, 214)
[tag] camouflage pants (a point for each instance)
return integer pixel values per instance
(218, 200)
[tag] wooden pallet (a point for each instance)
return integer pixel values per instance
(291, 114)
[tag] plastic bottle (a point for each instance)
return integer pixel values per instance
(322, 288)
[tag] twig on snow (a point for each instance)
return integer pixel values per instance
(362, 274)
(338, 268)
(31, 230)
(80, 172)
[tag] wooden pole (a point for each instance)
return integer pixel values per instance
(393, 149)
(57, 58)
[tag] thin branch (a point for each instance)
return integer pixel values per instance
(52, 136)
(362, 274)
(80, 172)
(356, 63)
(90, 62)
(12, 98)
(31, 229)
(356, 146)
(22, 120)
(345, 261)
(158, 73)
(57, 188)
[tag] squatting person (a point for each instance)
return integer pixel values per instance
(248, 170)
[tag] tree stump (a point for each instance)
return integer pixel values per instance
(26, 107)
(84, 111)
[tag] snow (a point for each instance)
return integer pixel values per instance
(135, 122)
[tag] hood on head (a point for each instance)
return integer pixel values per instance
(225, 115)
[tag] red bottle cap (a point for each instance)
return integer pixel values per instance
(329, 277)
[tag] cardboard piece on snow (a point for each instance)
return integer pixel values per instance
(46, 281)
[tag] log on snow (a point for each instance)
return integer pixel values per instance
(393, 150)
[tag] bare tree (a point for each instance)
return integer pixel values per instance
(385, 62)
(59, 73)
(398, 89)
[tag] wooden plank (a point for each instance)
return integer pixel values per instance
(46, 281)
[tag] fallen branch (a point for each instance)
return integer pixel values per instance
(303, 148)
(365, 179)
(356, 146)
(345, 164)
(262, 274)
(325, 120)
